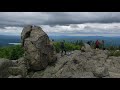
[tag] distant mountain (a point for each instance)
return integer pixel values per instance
(114, 41)
(6, 39)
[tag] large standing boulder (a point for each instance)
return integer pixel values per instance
(39, 52)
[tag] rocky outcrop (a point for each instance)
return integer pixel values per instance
(19, 68)
(92, 64)
(79, 64)
(4, 65)
(39, 52)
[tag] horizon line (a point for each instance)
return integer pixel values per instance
(68, 35)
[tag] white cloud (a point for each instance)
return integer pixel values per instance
(63, 23)
(86, 29)
(11, 30)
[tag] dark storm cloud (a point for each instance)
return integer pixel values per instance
(57, 18)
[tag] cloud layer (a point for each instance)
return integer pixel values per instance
(86, 29)
(53, 18)
(62, 23)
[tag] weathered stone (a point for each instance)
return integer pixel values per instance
(83, 49)
(14, 62)
(4, 65)
(37, 75)
(114, 75)
(113, 64)
(21, 70)
(18, 76)
(101, 72)
(82, 65)
(86, 48)
(83, 75)
(39, 52)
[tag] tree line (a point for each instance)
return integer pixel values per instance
(16, 51)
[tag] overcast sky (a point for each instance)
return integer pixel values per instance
(62, 23)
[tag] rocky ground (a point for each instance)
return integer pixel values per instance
(95, 64)
(76, 64)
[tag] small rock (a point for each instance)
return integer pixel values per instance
(87, 47)
(21, 70)
(4, 65)
(18, 76)
(101, 72)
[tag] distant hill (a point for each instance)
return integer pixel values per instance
(5, 40)
(114, 41)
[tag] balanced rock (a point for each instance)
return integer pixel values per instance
(39, 51)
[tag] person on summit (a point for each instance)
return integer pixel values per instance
(97, 44)
(63, 48)
(103, 47)
(88, 42)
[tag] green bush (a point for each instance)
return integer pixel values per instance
(68, 46)
(11, 52)
(15, 52)
(57, 46)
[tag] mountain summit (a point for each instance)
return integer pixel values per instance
(41, 61)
